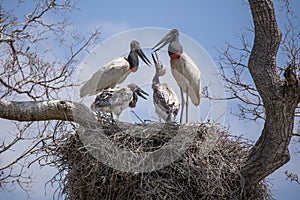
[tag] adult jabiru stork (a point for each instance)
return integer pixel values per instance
(184, 70)
(114, 72)
(115, 100)
(164, 98)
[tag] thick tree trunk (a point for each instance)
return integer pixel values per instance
(280, 100)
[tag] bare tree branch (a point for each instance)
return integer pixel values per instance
(234, 71)
(33, 68)
(47, 110)
(292, 177)
(280, 101)
(27, 69)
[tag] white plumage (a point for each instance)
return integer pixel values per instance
(164, 98)
(187, 76)
(114, 72)
(115, 100)
(165, 102)
(184, 70)
(108, 76)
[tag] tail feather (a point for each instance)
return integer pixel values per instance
(88, 89)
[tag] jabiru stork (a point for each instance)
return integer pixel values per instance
(184, 70)
(114, 72)
(164, 98)
(115, 100)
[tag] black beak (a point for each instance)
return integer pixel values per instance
(140, 92)
(163, 42)
(154, 57)
(158, 64)
(143, 57)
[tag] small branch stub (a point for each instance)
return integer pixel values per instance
(290, 75)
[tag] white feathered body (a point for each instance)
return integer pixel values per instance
(115, 100)
(114, 72)
(165, 102)
(187, 76)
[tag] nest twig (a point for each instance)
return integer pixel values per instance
(209, 168)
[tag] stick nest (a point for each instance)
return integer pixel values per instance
(209, 168)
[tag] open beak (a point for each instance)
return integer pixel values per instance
(143, 57)
(141, 93)
(158, 64)
(154, 57)
(167, 39)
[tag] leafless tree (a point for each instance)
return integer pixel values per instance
(272, 95)
(34, 71)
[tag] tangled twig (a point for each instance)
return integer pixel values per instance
(208, 169)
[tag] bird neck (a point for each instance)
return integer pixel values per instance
(175, 48)
(132, 103)
(155, 78)
(133, 60)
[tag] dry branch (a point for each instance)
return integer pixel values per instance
(46, 110)
(197, 174)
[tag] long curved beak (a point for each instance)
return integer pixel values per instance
(141, 93)
(143, 57)
(163, 42)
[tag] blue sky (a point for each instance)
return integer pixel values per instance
(202, 20)
(211, 23)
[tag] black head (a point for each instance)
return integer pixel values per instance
(135, 52)
(137, 90)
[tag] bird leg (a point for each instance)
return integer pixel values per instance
(187, 106)
(182, 105)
